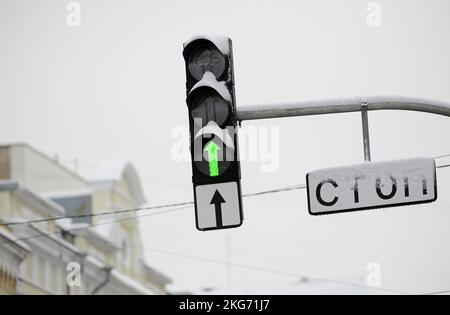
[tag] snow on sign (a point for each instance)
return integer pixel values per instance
(218, 206)
(372, 185)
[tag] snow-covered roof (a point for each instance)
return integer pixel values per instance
(130, 283)
(102, 234)
(13, 240)
(45, 204)
(157, 276)
(118, 278)
(117, 170)
(107, 230)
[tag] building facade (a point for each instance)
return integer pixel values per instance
(86, 253)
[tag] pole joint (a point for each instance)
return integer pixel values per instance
(365, 129)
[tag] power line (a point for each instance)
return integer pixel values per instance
(237, 265)
(103, 213)
(295, 187)
(185, 206)
(260, 269)
(209, 260)
(97, 214)
(268, 270)
(182, 206)
(91, 225)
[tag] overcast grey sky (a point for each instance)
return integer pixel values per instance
(114, 88)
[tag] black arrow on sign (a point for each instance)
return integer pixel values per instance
(217, 200)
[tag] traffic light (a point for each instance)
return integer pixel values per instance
(213, 132)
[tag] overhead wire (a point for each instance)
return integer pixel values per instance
(182, 205)
(262, 269)
(104, 213)
(91, 225)
(97, 213)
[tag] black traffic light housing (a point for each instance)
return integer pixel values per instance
(220, 47)
(210, 97)
(213, 93)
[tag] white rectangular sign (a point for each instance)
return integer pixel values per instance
(218, 206)
(372, 185)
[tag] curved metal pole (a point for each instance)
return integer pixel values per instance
(345, 105)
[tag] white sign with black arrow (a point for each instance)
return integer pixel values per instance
(218, 206)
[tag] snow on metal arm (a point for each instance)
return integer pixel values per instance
(335, 106)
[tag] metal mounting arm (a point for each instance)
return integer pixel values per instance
(355, 104)
(336, 106)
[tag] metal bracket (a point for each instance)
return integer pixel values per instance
(365, 129)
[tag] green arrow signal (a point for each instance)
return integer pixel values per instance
(213, 149)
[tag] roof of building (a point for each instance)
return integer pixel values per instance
(156, 275)
(101, 233)
(114, 171)
(46, 157)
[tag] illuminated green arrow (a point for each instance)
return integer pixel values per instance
(213, 149)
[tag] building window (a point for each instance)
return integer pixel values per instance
(35, 268)
(41, 268)
(60, 281)
(28, 267)
(124, 255)
(78, 206)
(53, 272)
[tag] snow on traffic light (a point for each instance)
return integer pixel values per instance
(213, 132)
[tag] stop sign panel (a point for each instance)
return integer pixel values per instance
(372, 185)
